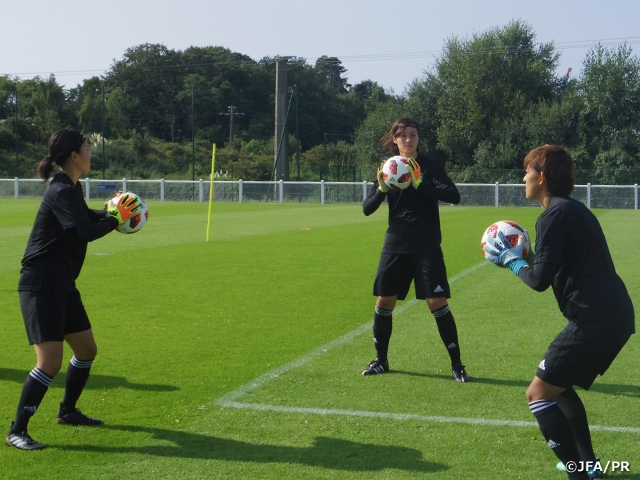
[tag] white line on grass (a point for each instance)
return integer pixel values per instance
(394, 416)
(267, 377)
(229, 400)
(409, 416)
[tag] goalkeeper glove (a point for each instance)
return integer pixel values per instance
(106, 204)
(416, 173)
(382, 186)
(126, 206)
(510, 257)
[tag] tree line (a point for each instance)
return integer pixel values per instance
(488, 99)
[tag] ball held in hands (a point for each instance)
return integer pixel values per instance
(123, 206)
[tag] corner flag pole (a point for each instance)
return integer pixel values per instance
(213, 169)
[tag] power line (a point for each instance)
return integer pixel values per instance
(376, 57)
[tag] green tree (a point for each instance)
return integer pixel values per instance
(43, 103)
(368, 150)
(609, 90)
(148, 76)
(486, 84)
(87, 102)
(330, 70)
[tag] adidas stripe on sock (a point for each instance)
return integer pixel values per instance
(383, 312)
(81, 363)
(538, 406)
(441, 311)
(41, 377)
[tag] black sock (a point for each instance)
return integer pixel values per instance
(573, 408)
(33, 391)
(448, 332)
(75, 380)
(557, 432)
(382, 326)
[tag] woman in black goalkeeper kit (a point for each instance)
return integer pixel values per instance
(412, 249)
(51, 305)
(573, 258)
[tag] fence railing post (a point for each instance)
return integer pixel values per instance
(286, 191)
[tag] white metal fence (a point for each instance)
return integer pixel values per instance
(481, 194)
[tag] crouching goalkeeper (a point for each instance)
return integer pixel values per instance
(571, 256)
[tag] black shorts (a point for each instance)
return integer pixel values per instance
(425, 269)
(573, 359)
(50, 314)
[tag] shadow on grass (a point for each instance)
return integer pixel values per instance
(607, 388)
(332, 453)
(485, 380)
(96, 381)
(616, 389)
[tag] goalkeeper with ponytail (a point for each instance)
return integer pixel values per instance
(51, 306)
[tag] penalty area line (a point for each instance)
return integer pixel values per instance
(312, 355)
(229, 400)
(408, 416)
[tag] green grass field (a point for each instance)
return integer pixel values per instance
(240, 357)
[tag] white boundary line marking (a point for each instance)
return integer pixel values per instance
(229, 400)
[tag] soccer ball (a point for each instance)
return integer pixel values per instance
(134, 224)
(511, 231)
(396, 173)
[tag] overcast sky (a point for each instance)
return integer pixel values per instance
(389, 42)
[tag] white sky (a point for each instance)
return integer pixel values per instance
(389, 42)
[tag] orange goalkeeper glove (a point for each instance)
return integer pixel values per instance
(382, 185)
(416, 173)
(123, 206)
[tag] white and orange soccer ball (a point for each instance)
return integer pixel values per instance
(512, 232)
(134, 224)
(396, 173)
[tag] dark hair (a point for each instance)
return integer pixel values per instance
(558, 168)
(397, 129)
(61, 144)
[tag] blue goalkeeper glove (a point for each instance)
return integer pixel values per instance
(509, 257)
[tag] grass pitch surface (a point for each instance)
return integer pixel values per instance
(240, 357)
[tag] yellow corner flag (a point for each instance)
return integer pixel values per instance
(213, 169)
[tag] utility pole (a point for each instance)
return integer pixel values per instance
(232, 112)
(281, 153)
(16, 133)
(104, 160)
(231, 108)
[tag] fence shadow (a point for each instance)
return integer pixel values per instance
(96, 381)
